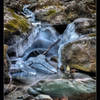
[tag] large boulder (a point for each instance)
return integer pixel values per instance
(79, 54)
(65, 87)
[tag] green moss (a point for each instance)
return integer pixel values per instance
(51, 12)
(18, 23)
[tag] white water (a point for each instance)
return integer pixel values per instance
(28, 13)
(46, 34)
(40, 31)
(69, 33)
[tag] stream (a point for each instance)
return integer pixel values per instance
(29, 62)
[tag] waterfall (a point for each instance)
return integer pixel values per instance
(46, 32)
(69, 33)
(40, 31)
(41, 37)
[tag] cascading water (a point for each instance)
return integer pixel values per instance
(69, 33)
(40, 32)
(41, 37)
(28, 14)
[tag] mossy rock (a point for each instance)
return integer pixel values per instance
(17, 5)
(52, 14)
(15, 25)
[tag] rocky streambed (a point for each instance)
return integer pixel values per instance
(43, 63)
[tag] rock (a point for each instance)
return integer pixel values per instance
(91, 96)
(17, 5)
(18, 93)
(52, 14)
(43, 97)
(50, 11)
(8, 90)
(79, 8)
(14, 24)
(64, 11)
(32, 92)
(80, 75)
(6, 67)
(65, 87)
(85, 25)
(80, 54)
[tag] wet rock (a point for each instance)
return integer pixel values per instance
(14, 24)
(32, 92)
(43, 97)
(65, 87)
(13, 4)
(80, 54)
(85, 25)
